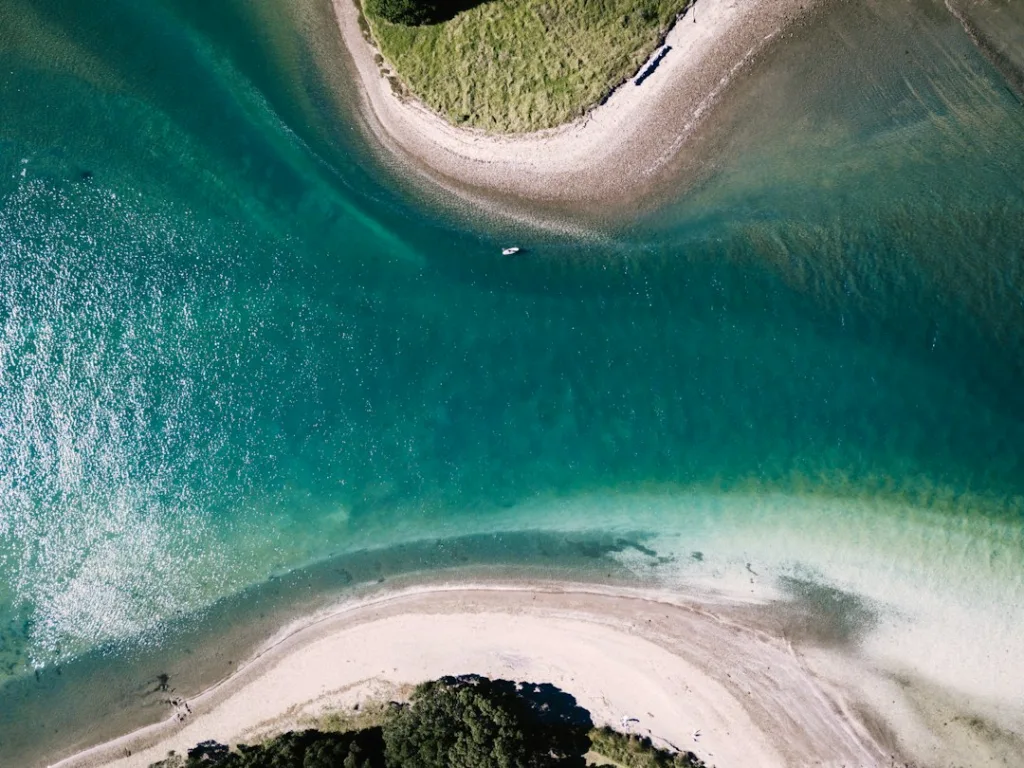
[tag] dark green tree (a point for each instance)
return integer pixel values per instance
(454, 722)
(297, 749)
(364, 749)
(409, 12)
(417, 12)
(208, 753)
(473, 722)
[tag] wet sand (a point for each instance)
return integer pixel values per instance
(616, 152)
(699, 674)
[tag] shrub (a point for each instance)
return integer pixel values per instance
(409, 12)
(473, 722)
(296, 749)
(634, 751)
(454, 722)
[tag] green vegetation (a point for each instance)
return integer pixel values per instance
(295, 749)
(518, 65)
(368, 714)
(473, 722)
(632, 751)
(454, 722)
(411, 12)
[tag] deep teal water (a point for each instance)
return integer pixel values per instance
(235, 342)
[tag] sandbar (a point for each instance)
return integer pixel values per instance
(618, 151)
(694, 673)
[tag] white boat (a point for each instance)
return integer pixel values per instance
(510, 251)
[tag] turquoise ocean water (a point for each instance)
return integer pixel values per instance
(244, 364)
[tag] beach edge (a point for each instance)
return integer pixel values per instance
(679, 663)
(617, 153)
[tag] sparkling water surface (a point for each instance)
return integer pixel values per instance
(235, 342)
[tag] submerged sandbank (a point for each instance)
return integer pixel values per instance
(678, 665)
(616, 151)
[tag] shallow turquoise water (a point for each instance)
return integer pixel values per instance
(234, 343)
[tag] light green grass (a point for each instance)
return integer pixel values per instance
(521, 65)
(611, 749)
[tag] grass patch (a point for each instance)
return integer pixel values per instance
(368, 714)
(632, 751)
(521, 65)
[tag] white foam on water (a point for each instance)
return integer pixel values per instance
(100, 541)
(97, 541)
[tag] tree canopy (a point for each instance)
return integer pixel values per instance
(474, 722)
(454, 722)
(414, 13)
(408, 12)
(296, 749)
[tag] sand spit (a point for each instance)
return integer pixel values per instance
(672, 667)
(616, 152)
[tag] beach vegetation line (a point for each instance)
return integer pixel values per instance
(513, 66)
(454, 722)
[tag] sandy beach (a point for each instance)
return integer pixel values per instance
(615, 152)
(692, 674)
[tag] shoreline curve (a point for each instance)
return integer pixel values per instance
(616, 152)
(677, 664)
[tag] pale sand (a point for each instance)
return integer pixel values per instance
(615, 152)
(676, 665)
